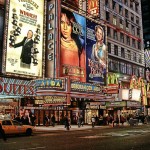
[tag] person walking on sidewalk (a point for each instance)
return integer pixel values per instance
(2, 133)
(93, 121)
(67, 123)
(53, 121)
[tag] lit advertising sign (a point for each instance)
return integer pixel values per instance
(14, 87)
(116, 104)
(96, 55)
(50, 46)
(72, 48)
(93, 7)
(50, 83)
(24, 48)
(85, 88)
(55, 99)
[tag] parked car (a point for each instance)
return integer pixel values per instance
(15, 127)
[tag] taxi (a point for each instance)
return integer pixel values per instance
(15, 127)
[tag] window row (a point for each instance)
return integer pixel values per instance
(123, 38)
(118, 8)
(124, 24)
(124, 53)
(125, 68)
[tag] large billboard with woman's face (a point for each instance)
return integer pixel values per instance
(96, 55)
(82, 48)
(72, 46)
(23, 50)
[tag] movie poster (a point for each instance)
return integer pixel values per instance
(24, 48)
(95, 53)
(72, 48)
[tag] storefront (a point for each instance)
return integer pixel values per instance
(11, 92)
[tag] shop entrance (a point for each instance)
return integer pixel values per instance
(59, 115)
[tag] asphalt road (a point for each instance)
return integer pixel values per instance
(124, 138)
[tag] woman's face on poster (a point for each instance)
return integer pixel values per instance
(99, 34)
(66, 27)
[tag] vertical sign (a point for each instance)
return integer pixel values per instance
(50, 50)
(96, 55)
(24, 47)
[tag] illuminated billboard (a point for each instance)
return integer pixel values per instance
(93, 7)
(72, 46)
(23, 52)
(96, 54)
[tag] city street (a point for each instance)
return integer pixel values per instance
(105, 138)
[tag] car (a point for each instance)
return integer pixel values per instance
(15, 127)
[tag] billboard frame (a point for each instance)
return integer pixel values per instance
(5, 37)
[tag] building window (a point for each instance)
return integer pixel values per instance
(129, 54)
(134, 57)
(126, 13)
(135, 71)
(138, 32)
(120, 10)
(133, 29)
(131, 5)
(128, 40)
(123, 67)
(133, 43)
(109, 47)
(137, 8)
(122, 52)
(116, 50)
(129, 69)
(137, 20)
(108, 32)
(126, 2)
(122, 37)
(132, 17)
(114, 20)
(114, 5)
(106, 3)
(127, 26)
(139, 45)
(140, 59)
(107, 16)
(121, 23)
(115, 35)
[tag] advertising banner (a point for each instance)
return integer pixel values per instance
(24, 48)
(14, 87)
(96, 55)
(72, 49)
(93, 7)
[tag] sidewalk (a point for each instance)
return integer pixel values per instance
(73, 127)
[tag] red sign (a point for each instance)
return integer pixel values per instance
(14, 87)
(93, 7)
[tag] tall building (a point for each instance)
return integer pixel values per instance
(125, 39)
(146, 21)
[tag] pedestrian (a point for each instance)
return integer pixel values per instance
(33, 118)
(79, 121)
(67, 123)
(93, 121)
(2, 133)
(53, 120)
